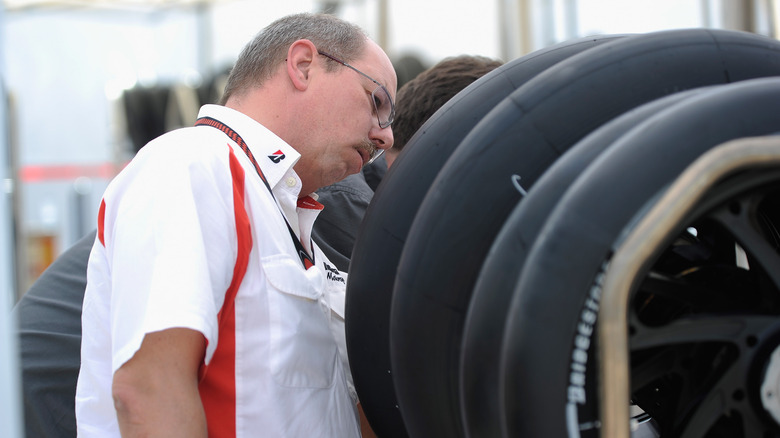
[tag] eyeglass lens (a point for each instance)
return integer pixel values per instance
(383, 105)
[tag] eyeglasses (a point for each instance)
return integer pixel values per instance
(383, 104)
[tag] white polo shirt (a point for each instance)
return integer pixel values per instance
(189, 236)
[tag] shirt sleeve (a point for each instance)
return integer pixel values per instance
(171, 245)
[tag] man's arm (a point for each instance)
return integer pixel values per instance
(156, 391)
(365, 427)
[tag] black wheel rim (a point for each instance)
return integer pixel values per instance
(706, 318)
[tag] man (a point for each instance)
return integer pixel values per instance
(346, 201)
(208, 307)
(49, 313)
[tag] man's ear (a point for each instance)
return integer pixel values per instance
(300, 56)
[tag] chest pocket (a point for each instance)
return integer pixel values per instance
(303, 350)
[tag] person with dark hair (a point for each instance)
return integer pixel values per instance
(421, 97)
(208, 308)
(346, 201)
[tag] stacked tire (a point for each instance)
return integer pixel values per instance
(472, 300)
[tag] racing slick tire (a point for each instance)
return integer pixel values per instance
(473, 194)
(548, 378)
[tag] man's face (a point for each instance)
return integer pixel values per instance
(348, 123)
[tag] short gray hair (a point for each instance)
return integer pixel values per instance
(261, 57)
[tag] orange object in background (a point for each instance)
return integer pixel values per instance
(41, 250)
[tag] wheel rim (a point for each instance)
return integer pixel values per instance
(703, 323)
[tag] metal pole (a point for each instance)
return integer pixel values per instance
(10, 375)
(205, 37)
(570, 19)
(7, 270)
(773, 6)
(730, 14)
(515, 25)
(382, 37)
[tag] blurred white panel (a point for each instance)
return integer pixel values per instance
(637, 16)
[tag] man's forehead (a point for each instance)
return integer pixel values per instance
(375, 63)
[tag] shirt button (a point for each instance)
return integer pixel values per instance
(291, 182)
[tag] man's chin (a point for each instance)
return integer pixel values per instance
(341, 176)
(359, 163)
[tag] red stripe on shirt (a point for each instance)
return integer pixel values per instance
(218, 379)
(101, 222)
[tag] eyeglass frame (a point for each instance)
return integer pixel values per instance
(391, 116)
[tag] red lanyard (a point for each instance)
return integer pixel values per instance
(308, 261)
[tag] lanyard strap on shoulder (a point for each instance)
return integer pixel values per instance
(306, 259)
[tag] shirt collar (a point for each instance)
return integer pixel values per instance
(274, 156)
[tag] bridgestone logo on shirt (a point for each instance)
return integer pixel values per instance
(277, 156)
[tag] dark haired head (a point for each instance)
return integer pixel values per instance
(419, 98)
